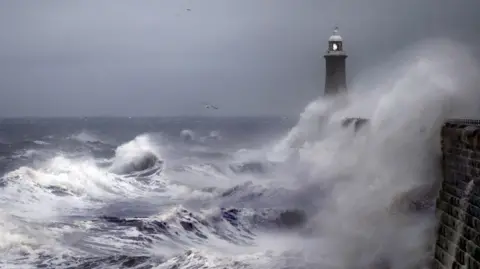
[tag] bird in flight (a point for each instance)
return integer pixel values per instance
(209, 106)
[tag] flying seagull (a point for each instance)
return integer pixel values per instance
(209, 106)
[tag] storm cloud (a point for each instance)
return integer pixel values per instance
(164, 58)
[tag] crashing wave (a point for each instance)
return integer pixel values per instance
(187, 135)
(140, 154)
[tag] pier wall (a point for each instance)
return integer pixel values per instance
(458, 203)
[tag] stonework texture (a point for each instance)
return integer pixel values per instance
(458, 203)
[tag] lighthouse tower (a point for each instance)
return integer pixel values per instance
(335, 74)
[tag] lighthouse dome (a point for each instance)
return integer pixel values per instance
(335, 36)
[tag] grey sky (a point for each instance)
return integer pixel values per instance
(250, 57)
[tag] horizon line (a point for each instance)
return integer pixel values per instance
(137, 117)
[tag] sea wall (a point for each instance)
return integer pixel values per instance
(458, 203)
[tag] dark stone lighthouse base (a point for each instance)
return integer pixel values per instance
(356, 122)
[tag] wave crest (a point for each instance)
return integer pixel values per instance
(140, 154)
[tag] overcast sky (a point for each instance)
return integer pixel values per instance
(249, 57)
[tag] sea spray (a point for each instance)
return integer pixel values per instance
(360, 225)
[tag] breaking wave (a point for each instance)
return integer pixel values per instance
(323, 196)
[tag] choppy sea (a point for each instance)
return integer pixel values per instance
(277, 193)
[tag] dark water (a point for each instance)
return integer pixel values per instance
(83, 134)
(139, 193)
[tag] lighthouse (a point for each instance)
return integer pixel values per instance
(335, 74)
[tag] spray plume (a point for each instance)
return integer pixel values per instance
(373, 176)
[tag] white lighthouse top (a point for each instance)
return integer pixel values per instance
(335, 36)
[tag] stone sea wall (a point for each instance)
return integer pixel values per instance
(458, 203)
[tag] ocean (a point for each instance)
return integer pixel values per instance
(269, 193)
(111, 192)
(173, 192)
